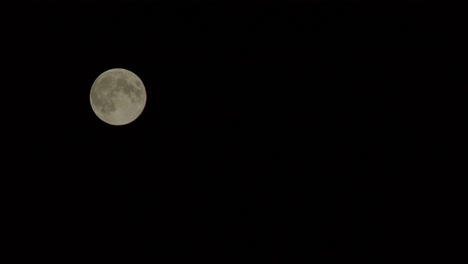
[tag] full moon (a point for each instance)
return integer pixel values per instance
(118, 96)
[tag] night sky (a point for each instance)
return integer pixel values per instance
(273, 132)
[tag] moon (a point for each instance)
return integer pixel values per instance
(118, 96)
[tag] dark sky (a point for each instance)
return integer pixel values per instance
(271, 129)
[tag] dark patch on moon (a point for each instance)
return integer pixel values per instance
(101, 98)
(122, 84)
(107, 107)
(125, 86)
(131, 91)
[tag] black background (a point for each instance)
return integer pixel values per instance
(274, 132)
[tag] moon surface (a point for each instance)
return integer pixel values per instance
(118, 96)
